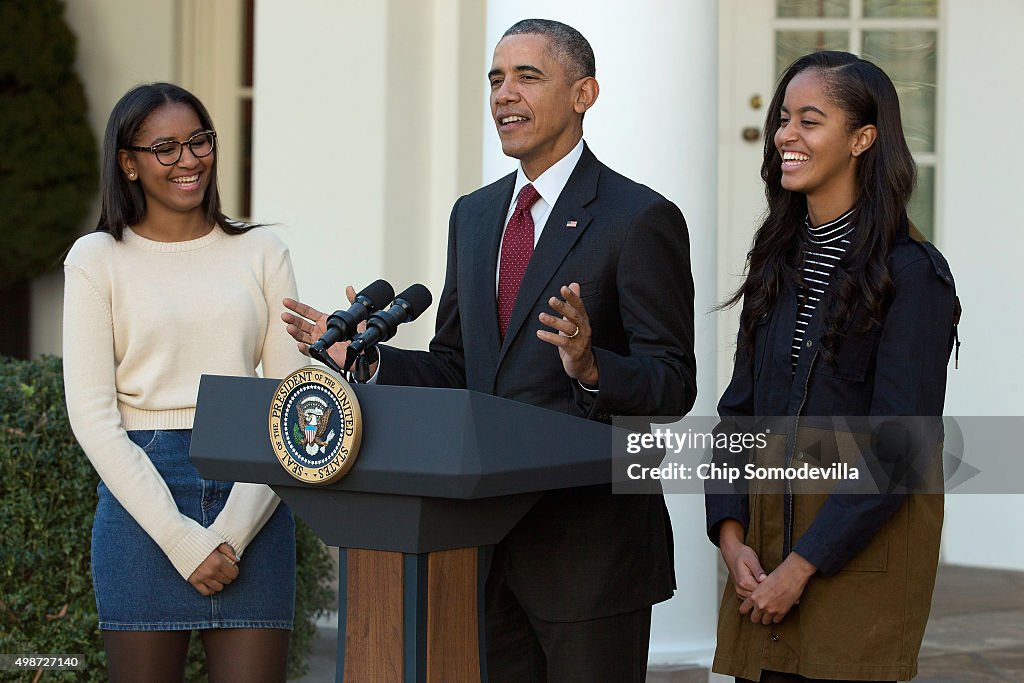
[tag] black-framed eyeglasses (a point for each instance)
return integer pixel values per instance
(168, 153)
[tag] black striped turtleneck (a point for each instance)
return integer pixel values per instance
(826, 245)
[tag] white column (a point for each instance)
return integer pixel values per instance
(365, 133)
(979, 233)
(319, 140)
(655, 122)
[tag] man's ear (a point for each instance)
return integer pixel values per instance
(587, 91)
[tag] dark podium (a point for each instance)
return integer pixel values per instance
(440, 474)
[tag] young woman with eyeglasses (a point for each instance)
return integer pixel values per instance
(844, 315)
(172, 552)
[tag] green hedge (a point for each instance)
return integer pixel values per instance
(47, 501)
(48, 159)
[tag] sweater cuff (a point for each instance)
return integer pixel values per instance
(248, 509)
(232, 540)
(191, 550)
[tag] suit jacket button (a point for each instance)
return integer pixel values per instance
(809, 343)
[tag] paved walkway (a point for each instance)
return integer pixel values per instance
(976, 628)
(975, 633)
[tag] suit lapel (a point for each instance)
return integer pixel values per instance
(482, 252)
(555, 242)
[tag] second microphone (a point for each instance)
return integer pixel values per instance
(382, 325)
(341, 325)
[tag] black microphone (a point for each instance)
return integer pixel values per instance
(382, 325)
(342, 324)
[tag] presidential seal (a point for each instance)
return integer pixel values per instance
(315, 425)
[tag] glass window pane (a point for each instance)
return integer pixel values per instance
(901, 8)
(812, 8)
(922, 203)
(909, 57)
(791, 45)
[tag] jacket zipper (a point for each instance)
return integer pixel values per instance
(788, 546)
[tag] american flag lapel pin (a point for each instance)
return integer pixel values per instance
(570, 224)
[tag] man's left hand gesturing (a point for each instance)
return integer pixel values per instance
(571, 335)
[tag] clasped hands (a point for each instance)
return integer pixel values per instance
(570, 333)
(767, 598)
(218, 570)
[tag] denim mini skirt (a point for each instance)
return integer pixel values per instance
(137, 587)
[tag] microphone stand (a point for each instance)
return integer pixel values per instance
(325, 358)
(360, 374)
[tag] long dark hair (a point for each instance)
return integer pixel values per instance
(123, 203)
(885, 178)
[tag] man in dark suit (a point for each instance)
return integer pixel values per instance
(568, 286)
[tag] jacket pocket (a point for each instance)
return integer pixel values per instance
(590, 288)
(874, 557)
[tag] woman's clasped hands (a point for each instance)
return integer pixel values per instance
(218, 570)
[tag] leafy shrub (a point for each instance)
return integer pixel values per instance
(47, 501)
(48, 159)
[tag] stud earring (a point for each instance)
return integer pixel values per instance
(131, 175)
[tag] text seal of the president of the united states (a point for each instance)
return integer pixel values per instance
(315, 425)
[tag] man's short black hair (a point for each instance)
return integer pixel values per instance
(568, 45)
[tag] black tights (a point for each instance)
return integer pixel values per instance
(259, 655)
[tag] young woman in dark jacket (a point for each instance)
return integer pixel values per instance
(844, 315)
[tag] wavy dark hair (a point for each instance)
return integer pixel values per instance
(123, 203)
(885, 176)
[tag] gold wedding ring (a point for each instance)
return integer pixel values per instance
(576, 333)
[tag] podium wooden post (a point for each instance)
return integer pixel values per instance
(441, 473)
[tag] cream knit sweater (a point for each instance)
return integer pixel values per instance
(142, 321)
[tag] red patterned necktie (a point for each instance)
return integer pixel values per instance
(516, 250)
